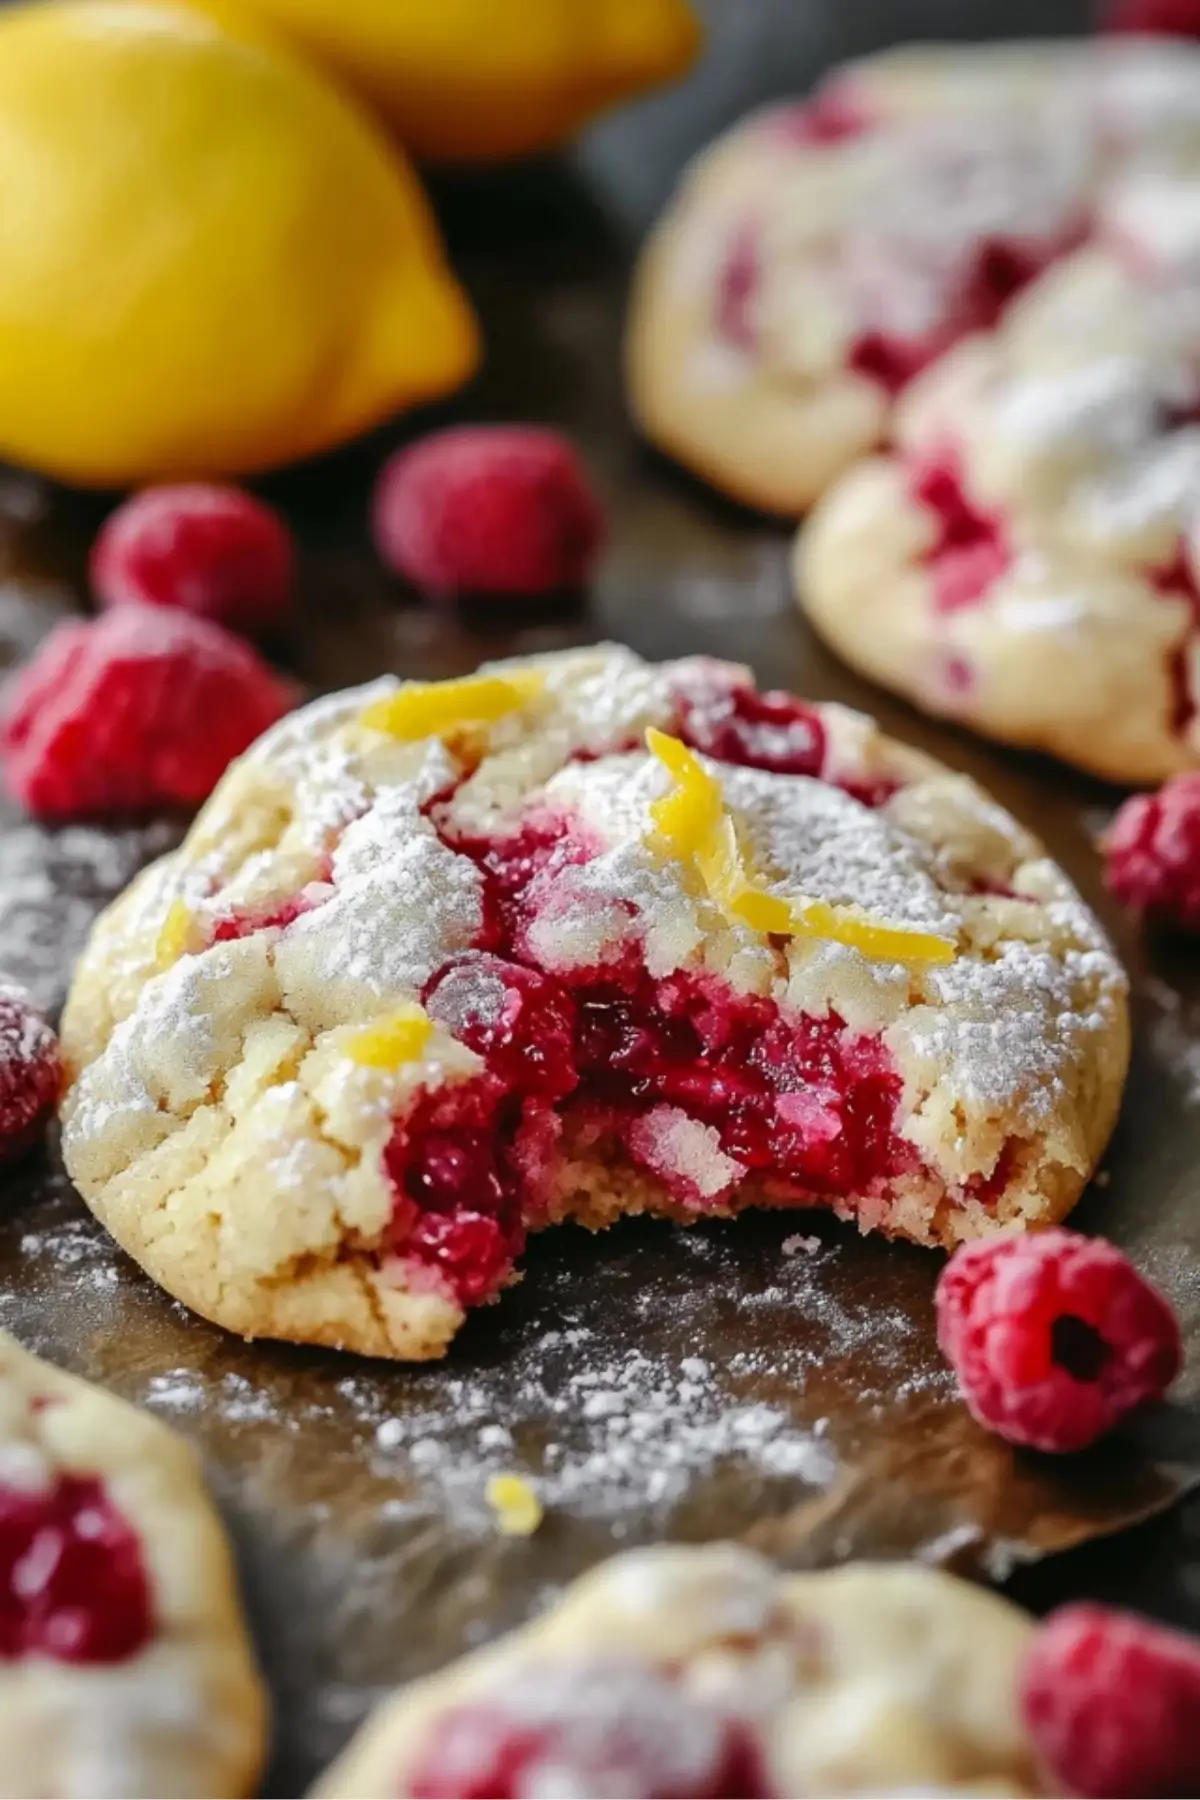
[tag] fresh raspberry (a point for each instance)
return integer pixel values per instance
(1054, 1337)
(610, 1726)
(30, 1071)
(1170, 18)
(1110, 1703)
(213, 551)
(138, 708)
(1152, 853)
(72, 1582)
(488, 509)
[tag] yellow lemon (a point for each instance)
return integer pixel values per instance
(210, 263)
(474, 80)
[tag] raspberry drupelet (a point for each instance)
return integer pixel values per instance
(1054, 1337)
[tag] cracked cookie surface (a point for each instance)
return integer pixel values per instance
(704, 1671)
(821, 254)
(125, 1669)
(1041, 512)
(439, 966)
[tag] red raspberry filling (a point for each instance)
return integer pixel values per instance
(976, 294)
(1177, 580)
(834, 114)
(804, 1103)
(733, 723)
(737, 289)
(1110, 1703)
(1152, 853)
(30, 1072)
(72, 1582)
(969, 553)
(1054, 1337)
(609, 1726)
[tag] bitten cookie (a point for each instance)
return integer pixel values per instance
(1026, 561)
(705, 1672)
(822, 254)
(441, 965)
(125, 1669)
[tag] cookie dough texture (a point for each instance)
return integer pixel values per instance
(1071, 433)
(869, 1679)
(185, 1715)
(804, 230)
(217, 1125)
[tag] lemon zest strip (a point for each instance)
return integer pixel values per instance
(423, 709)
(697, 827)
(175, 936)
(392, 1041)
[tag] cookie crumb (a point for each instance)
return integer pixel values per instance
(518, 1510)
(796, 1245)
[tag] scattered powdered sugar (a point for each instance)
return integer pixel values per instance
(55, 882)
(610, 1424)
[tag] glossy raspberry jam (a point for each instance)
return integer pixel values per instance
(72, 1582)
(969, 553)
(607, 1726)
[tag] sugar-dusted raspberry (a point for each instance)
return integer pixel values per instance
(72, 1582)
(210, 550)
(138, 708)
(734, 723)
(1054, 1337)
(1111, 1704)
(1152, 853)
(521, 1022)
(30, 1071)
(610, 1726)
(1170, 18)
(488, 509)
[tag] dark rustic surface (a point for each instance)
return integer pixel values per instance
(655, 1382)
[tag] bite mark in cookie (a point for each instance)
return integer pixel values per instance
(537, 975)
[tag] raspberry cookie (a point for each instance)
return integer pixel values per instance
(822, 254)
(124, 1665)
(676, 1671)
(441, 965)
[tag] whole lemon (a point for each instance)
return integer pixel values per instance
(473, 80)
(210, 263)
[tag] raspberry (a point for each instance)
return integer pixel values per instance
(213, 551)
(1054, 1337)
(136, 709)
(72, 1582)
(610, 1726)
(488, 509)
(772, 731)
(1110, 1703)
(1152, 852)
(520, 1021)
(1171, 18)
(29, 1071)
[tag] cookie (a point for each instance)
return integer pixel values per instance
(441, 965)
(125, 1669)
(821, 254)
(706, 1672)
(1025, 562)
